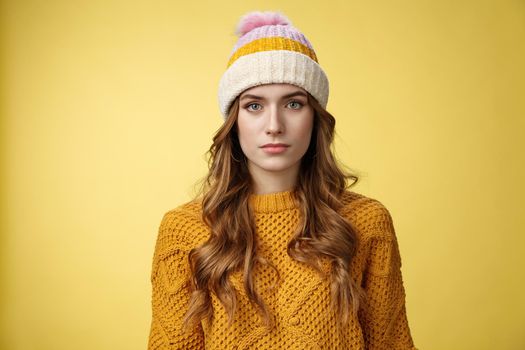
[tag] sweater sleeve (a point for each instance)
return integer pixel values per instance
(170, 296)
(383, 317)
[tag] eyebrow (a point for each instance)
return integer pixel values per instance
(295, 93)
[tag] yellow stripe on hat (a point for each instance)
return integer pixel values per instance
(272, 43)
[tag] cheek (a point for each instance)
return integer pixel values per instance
(305, 130)
(305, 134)
(246, 134)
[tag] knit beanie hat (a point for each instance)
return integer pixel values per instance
(270, 50)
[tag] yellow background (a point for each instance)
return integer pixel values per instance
(108, 108)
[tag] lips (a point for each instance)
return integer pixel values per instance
(275, 148)
(275, 145)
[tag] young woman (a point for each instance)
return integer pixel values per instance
(276, 251)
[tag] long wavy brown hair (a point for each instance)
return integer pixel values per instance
(322, 231)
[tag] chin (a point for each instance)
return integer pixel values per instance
(276, 165)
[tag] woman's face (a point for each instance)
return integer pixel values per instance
(276, 114)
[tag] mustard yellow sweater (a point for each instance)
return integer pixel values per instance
(301, 303)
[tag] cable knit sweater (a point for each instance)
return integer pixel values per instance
(300, 305)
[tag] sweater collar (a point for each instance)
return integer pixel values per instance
(273, 202)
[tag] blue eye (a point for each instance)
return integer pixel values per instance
(297, 102)
(251, 104)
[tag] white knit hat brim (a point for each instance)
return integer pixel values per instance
(275, 66)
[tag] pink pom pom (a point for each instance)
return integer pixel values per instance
(256, 19)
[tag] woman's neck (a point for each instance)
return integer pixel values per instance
(265, 181)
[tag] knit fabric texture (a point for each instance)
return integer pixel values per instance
(300, 302)
(271, 50)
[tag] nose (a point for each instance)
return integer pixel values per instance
(274, 124)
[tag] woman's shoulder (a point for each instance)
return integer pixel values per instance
(182, 227)
(190, 210)
(367, 214)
